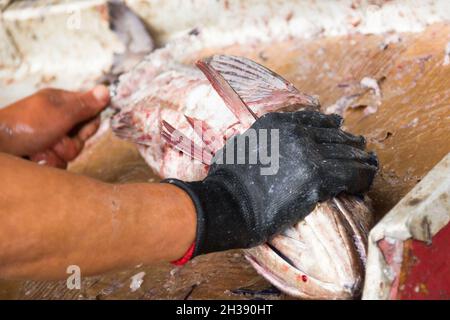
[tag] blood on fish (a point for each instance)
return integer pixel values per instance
(302, 278)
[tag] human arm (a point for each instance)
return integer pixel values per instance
(50, 219)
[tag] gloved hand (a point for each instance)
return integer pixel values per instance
(240, 205)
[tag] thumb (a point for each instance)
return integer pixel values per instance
(88, 104)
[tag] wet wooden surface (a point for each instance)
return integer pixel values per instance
(408, 126)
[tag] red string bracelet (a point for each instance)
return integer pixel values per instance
(187, 256)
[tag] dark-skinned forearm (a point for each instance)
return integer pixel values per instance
(50, 219)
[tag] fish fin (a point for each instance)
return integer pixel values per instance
(180, 142)
(212, 139)
(124, 126)
(259, 88)
(232, 100)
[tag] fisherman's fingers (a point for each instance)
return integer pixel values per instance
(346, 152)
(82, 106)
(49, 158)
(349, 176)
(317, 119)
(89, 129)
(329, 135)
(304, 118)
(68, 148)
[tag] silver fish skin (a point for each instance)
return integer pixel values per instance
(320, 257)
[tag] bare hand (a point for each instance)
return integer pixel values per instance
(51, 126)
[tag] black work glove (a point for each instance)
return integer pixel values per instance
(243, 205)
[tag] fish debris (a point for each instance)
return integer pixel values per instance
(371, 83)
(136, 281)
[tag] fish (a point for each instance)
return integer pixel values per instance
(323, 255)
